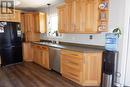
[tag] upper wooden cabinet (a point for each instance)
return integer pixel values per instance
(11, 17)
(62, 19)
(79, 16)
(89, 16)
(17, 17)
(82, 67)
(34, 22)
(40, 22)
(28, 22)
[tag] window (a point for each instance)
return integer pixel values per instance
(52, 24)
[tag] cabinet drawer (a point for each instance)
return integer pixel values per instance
(73, 63)
(71, 73)
(72, 53)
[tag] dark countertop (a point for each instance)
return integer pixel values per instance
(72, 46)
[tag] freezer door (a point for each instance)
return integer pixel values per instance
(6, 56)
(17, 53)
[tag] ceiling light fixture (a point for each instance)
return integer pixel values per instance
(48, 11)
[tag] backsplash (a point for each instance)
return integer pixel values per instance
(97, 39)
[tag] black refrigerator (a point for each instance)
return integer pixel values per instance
(10, 43)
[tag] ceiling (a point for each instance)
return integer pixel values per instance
(35, 4)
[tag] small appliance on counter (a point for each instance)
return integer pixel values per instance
(10, 43)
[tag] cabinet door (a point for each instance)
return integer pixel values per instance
(69, 16)
(76, 16)
(89, 16)
(40, 22)
(62, 19)
(37, 23)
(17, 16)
(27, 52)
(45, 57)
(36, 54)
(22, 23)
(29, 22)
(92, 69)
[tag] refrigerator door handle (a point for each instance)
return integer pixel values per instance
(11, 33)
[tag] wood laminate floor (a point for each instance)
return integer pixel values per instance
(32, 75)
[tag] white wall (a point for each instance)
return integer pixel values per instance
(117, 18)
(98, 39)
(127, 26)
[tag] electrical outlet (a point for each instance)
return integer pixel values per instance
(91, 37)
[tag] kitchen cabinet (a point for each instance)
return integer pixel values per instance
(36, 54)
(92, 68)
(89, 16)
(28, 27)
(45, 57)
(41, 55)
(80, 16)
(33, 23)
(15, 17)
(31, 36)
(28, 22)
(62, 26)
(71, 65)
(22, 23)
(27, 51)
(83, 68)
(40, 22)
(76, 16)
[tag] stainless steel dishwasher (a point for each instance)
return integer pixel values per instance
(54, 55)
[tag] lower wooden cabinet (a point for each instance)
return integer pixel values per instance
(27, 51)
(36, 54)
(92, 68)
(41, 55)
(45, 57)
(82, 68)
(71, 65)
